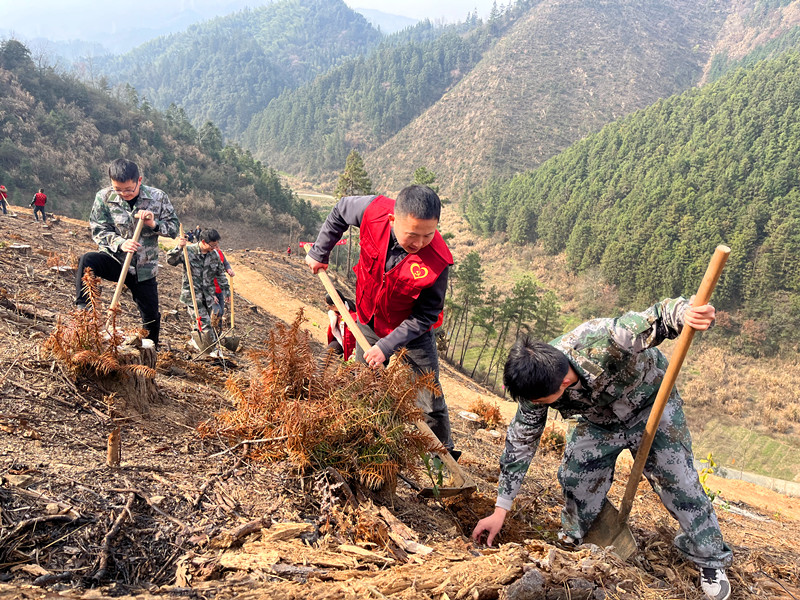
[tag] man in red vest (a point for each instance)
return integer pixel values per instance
(38, 202)
(401, 282)
(3, 198)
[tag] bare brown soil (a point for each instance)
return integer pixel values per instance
(184, 517)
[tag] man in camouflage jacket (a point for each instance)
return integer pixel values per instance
(113, 220)
(206, 267)
(606, 374)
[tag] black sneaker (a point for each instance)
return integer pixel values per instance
(456, 454)
(715, 584)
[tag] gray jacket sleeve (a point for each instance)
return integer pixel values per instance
(348, 211)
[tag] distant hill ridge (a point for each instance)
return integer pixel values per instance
(60, 134)
(648, 197)
(564, 70)
(226, 69)
(537, 76)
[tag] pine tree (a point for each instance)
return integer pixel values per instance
(354, 180)
(423, 176)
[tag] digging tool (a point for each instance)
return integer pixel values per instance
(231, 342)
(125, 266)
(610, 528)
(204, 341)
(460, 482)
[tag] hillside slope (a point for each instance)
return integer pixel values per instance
(713, 165)
(752, 27)
(60, 134)
(565, 69)
(185, 517)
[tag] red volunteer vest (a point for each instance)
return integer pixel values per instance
(217, 289)
(348, 338)
(389, 297)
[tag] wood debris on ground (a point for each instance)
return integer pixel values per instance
(185, 517)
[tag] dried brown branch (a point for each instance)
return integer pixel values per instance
(155, 508)
(105, 550)
(10, 315)
(22, 525)
(348, 417)
(222, 475)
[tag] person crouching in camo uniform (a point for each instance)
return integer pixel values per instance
(206, 267)
(606, 374)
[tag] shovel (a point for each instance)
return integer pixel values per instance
(231, 342)
(610, 528)
(204, 341)
(114, 306)
(460, 483)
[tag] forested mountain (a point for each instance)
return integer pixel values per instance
(753, 30)
(60, 134)
(366, 100)
(786, 41)
(227, 69)
(564, 70)
(648, 197)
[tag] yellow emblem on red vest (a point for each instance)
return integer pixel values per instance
(418, 271)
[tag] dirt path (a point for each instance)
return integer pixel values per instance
(255, 288)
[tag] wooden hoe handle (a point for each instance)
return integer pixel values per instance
(191, 283)
(679, 354)
(343, 310)
(125, 266)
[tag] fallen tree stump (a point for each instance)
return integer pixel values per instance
(138, 391)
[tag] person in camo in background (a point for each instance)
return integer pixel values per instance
(206, 268)
(401, 281)
(606, 373)
(112, 222)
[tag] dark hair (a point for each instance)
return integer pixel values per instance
(418, 201)
(210, 235)
(534, 369)
(41, 190)
(123, 170)
(347, 302)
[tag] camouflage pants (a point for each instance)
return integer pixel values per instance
(205, 316)
(587, 470)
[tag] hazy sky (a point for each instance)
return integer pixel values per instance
(450, 10)
(88, 19)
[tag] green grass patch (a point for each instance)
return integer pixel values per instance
(738, 448)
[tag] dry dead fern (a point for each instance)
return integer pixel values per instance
(351, 418)
(86, 344)
(489, 412)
